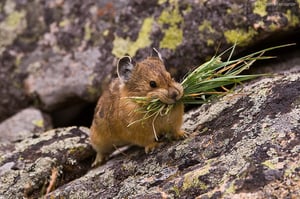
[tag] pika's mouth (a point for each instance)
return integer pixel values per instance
(170, 96)
(170, 100)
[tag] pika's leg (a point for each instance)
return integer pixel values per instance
(100, 159)
(102, 144)
(150, 147)
(103, 152)
(177, 118)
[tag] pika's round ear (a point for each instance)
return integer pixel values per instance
(155, 53)
(124, 68)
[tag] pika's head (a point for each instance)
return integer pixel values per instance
(149, 78)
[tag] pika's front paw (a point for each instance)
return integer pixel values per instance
(100, 159)
(151, 147)
(180, 135)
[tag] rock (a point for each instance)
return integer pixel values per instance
(58, 54)
(65, 78)
(65, 50)
(12, 24)
(62, 154)
(244, 145)
(27, 123)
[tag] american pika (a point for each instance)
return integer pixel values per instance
(115, 115)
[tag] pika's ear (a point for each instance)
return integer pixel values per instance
(124, 68)
(155, 53)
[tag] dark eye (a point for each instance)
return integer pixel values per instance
(153, 84)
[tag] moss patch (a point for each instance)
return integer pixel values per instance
(87, 32)
(38, 123)
(173, 35)
(122, 46)
(105, 33)
(269, 164)
(14, 19)
(293, 19)
(160, 2)
(14, 24)
(210, 42)
(260, 7)
(206, 25)
(64, 23)
(191, 179)
(171, 17)
(231, 188)
(240, 36)
(143, 37)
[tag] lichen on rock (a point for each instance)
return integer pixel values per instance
(26, 171)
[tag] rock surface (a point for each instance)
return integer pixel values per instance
(26, 123)
(27, 171)
(245, 144)
(56, 55)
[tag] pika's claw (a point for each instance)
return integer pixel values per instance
(180, 135)
(151, 147)
(100, 159)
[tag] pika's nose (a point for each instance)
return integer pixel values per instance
(174, 94)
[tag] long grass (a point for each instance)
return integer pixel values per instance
(207, 81)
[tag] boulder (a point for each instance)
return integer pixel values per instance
(57, 56)
(245, 144)
(25, 124)
(59, 155)
(60, 53)
(28, 123)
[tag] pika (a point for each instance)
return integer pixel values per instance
(116, 120)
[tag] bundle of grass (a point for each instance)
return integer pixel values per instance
(207, 81)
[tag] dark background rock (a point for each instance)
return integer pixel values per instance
(57, 55)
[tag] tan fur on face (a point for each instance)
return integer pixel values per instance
(139, 84)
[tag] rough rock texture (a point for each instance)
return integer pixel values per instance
(27, 123)
(27, 171)
(57, 54)
(244, 145)
(63, 49)
(24, 124)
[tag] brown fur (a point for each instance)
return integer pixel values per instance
(114, 111)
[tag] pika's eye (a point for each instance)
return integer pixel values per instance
(152, 84)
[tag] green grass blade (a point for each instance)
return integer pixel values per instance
(204, 83)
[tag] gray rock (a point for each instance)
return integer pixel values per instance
(244, 145)
(61, 153)
(65, 77)
(25, 124)
(65, 50)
